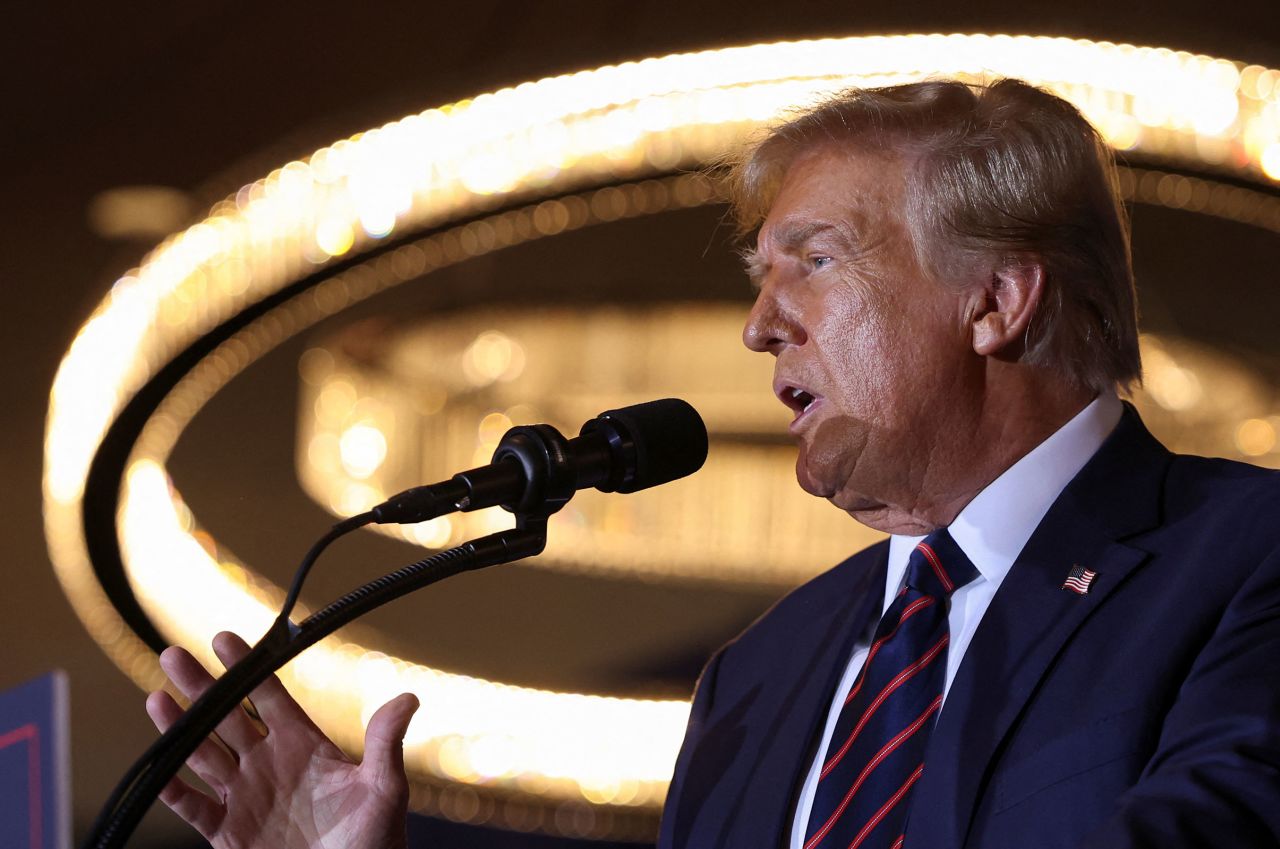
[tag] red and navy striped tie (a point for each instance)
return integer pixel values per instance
(876, 754)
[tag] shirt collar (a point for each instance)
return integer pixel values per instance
(993, 528)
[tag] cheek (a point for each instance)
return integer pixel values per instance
(836, 444)
(865, 358)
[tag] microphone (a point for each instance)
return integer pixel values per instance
(535, 470)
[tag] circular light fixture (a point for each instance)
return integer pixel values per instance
(432, 189)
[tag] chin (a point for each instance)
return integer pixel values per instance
(882, 517)
(808, 481)
(890, 521)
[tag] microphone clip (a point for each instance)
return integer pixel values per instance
(543, 456)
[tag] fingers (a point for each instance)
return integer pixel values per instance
(271, 700)
(192, 680)
(211, 762)
(201, 813)
(384, 740)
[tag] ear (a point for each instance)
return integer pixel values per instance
(1004, 306)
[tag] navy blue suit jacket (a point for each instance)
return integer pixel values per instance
(1143, 714)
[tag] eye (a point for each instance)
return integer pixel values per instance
(820, 261)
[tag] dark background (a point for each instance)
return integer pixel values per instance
(204, 96)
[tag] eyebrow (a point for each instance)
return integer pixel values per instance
(790, 237)
(793, 235)
(755, 266)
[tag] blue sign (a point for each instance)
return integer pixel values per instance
(35, 810)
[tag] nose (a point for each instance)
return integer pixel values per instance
(770, 327)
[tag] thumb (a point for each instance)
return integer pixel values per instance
(384, 738)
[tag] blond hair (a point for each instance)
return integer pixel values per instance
(1000, 170)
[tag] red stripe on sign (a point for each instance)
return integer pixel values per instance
(937, 566)
(30, 734)
(22, 732)
(33, 776)
(898, 680)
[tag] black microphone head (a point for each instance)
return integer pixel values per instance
(656, 442)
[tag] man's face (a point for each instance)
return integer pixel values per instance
(874, 358)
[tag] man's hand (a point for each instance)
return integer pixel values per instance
(290, 787)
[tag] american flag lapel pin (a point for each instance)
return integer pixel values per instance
(1079, 579)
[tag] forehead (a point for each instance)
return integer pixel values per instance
(835, 190)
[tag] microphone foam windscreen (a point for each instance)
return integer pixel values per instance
(670, 440)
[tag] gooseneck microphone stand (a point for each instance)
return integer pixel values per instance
(139, 788)
(535, 471)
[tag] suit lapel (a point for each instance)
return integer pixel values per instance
(821, 654)
(1030, 621)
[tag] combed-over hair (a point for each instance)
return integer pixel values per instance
(1001, 170)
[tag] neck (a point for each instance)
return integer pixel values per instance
(1009, 418)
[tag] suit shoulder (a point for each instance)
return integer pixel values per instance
(1191, 467)
(1224, 494)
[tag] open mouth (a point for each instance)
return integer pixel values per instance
(797, 399)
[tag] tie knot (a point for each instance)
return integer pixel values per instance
(938, 566)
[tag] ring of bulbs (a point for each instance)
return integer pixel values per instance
(527, 759)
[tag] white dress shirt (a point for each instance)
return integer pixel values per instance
(992, 530)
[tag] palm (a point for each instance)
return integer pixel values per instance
(290, 787)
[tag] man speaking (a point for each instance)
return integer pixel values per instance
(1072, 637)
